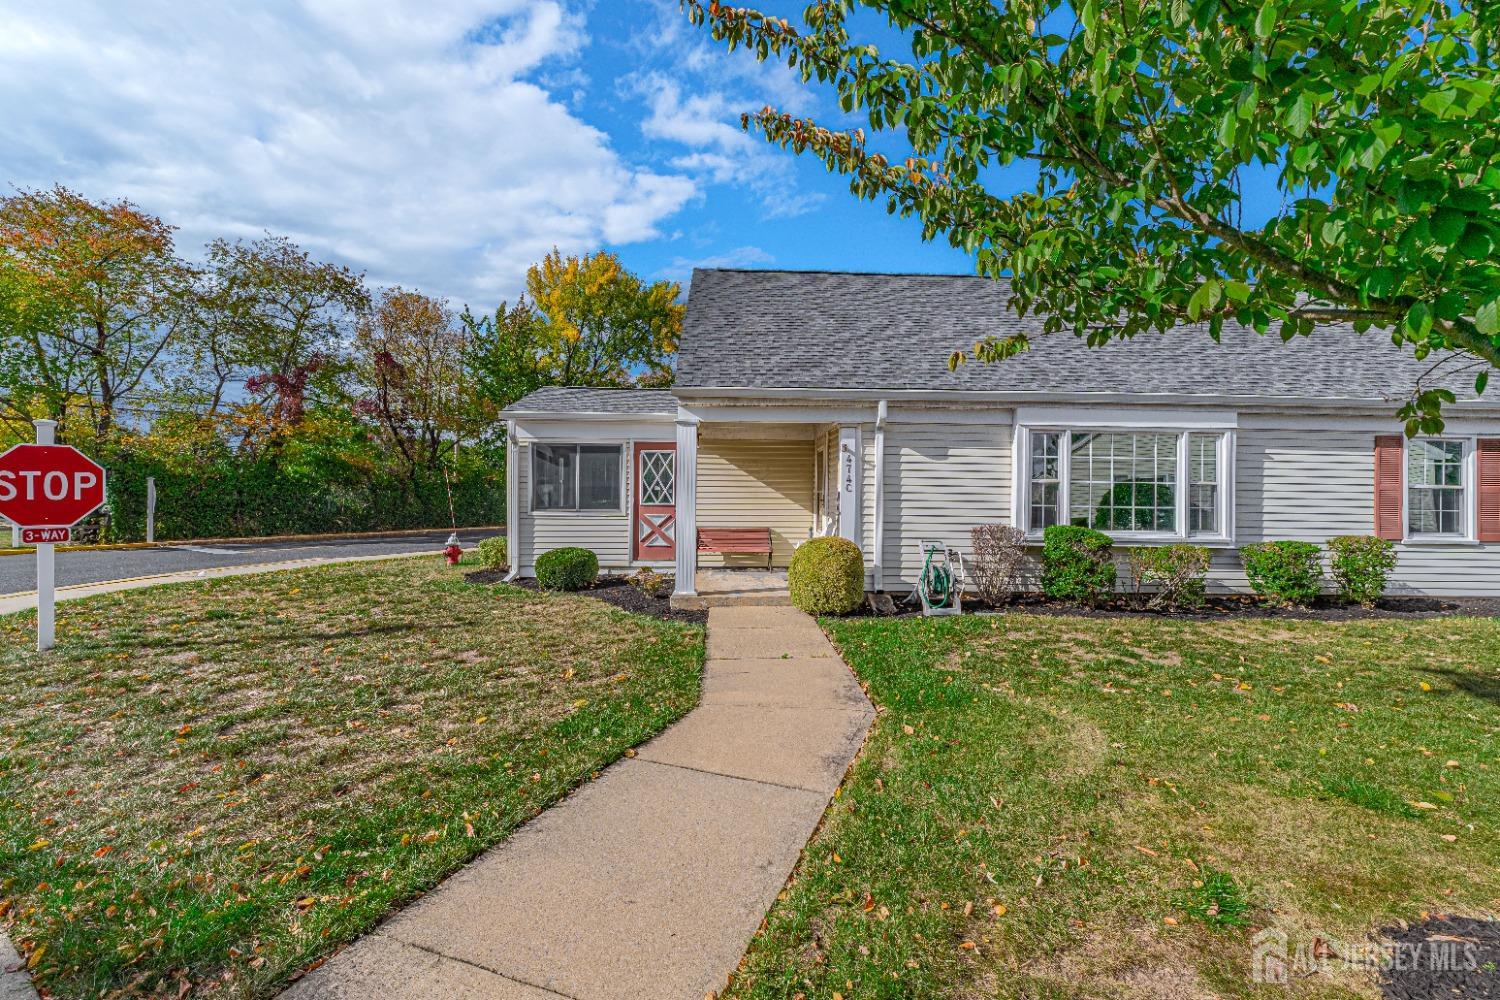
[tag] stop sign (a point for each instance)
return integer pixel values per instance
(49, 486)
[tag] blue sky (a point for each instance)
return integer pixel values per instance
(444, 146)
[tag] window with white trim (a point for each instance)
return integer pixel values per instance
(1127, 483)
(577, 477)
(1203, 484)
(1436, 488)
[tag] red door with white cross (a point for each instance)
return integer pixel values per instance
(655, 502)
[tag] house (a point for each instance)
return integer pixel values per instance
(812, 403)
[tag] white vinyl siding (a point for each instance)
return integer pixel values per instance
(607, 533)
(756, 484)
(1313, 482)
(1292, 475)
(941, 480)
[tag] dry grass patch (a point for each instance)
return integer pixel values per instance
(205, 787)
(1114, 807)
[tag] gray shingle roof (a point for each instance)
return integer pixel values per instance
(828, 330)
(577, 399)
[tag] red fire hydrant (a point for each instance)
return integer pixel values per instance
(452, 550)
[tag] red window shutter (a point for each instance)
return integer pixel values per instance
(1488, 453)
(1389, 453)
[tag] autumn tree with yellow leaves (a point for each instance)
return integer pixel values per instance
(584, 320)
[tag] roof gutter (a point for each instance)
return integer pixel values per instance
(1030, 397)
(585, 415)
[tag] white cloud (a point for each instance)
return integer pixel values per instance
(402, 137)
(695, 93)
(681, 268)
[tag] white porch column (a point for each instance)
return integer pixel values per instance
(687, 505)
(851, 480)
(512, 502)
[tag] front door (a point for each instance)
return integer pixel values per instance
(655, 502)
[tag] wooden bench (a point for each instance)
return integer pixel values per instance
(736, 541)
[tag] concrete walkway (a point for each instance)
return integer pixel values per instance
(15, 982)
(649, 882)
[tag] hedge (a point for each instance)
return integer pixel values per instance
(236, 498)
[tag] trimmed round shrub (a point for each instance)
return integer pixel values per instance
(568, 568)
(493, 553)
(1361, 565)
(827, 576)
(1284, 573)
(1077, 564)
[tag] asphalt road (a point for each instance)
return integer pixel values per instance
(18, 573)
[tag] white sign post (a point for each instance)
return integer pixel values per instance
(46, 566)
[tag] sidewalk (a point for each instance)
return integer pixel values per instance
(15, 982)
(649, 882)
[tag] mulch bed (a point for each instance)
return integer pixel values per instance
(616, 590)
(1230, 606)
(1453, 958)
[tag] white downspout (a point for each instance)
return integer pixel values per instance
(512, 503)
(882, 411)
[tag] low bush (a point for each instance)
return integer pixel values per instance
(1170, 576)
(651, 583)
(493, 553)
(567, 569)
(827, 576)
(1077, 564)
(999, 557)
(1361, 565)
(1284, 573)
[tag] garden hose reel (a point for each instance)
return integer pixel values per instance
(940, 588)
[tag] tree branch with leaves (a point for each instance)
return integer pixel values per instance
(1379, 122)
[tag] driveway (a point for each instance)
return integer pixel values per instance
(18, 572)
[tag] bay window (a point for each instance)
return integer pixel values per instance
(577, 477)
(1128, 483)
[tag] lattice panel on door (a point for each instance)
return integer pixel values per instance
(657, 530)
(658, 488)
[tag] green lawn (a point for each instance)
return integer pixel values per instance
(1061, 807)
(213, 784)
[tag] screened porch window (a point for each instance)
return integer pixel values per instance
(577, 477)
(1126, 482)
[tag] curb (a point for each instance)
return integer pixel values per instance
(330, 536)
(79, 590)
